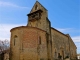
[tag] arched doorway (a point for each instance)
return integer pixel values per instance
(62, 53)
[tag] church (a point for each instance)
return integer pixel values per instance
(38, 40)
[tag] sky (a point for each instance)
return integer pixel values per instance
(64, 15)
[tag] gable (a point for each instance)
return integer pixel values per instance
(37, 6)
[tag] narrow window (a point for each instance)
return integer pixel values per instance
(39, 40)
(14, 41)
(15, 37)
(36, 7)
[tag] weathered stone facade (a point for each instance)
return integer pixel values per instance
(38, 40)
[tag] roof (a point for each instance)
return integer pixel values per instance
(26, 27)
(39, 4)
(42, 5)
(59, 31)
(67, 35)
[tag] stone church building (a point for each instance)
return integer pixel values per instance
(38, 40)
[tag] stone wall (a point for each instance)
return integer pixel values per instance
(60, 44)
(27, 44)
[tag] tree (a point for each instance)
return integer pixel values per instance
(4, 45)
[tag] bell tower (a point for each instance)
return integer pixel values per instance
(38, 17)
(34, 17)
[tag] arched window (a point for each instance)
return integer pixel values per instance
(39, 40)
(15, 37)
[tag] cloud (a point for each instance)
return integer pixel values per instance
(67, 30)
(76, 39)
(5, 30)
(78, 47)
(9, 4)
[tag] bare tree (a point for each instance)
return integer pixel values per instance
(4, 45)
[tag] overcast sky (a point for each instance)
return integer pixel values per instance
(63, 14)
